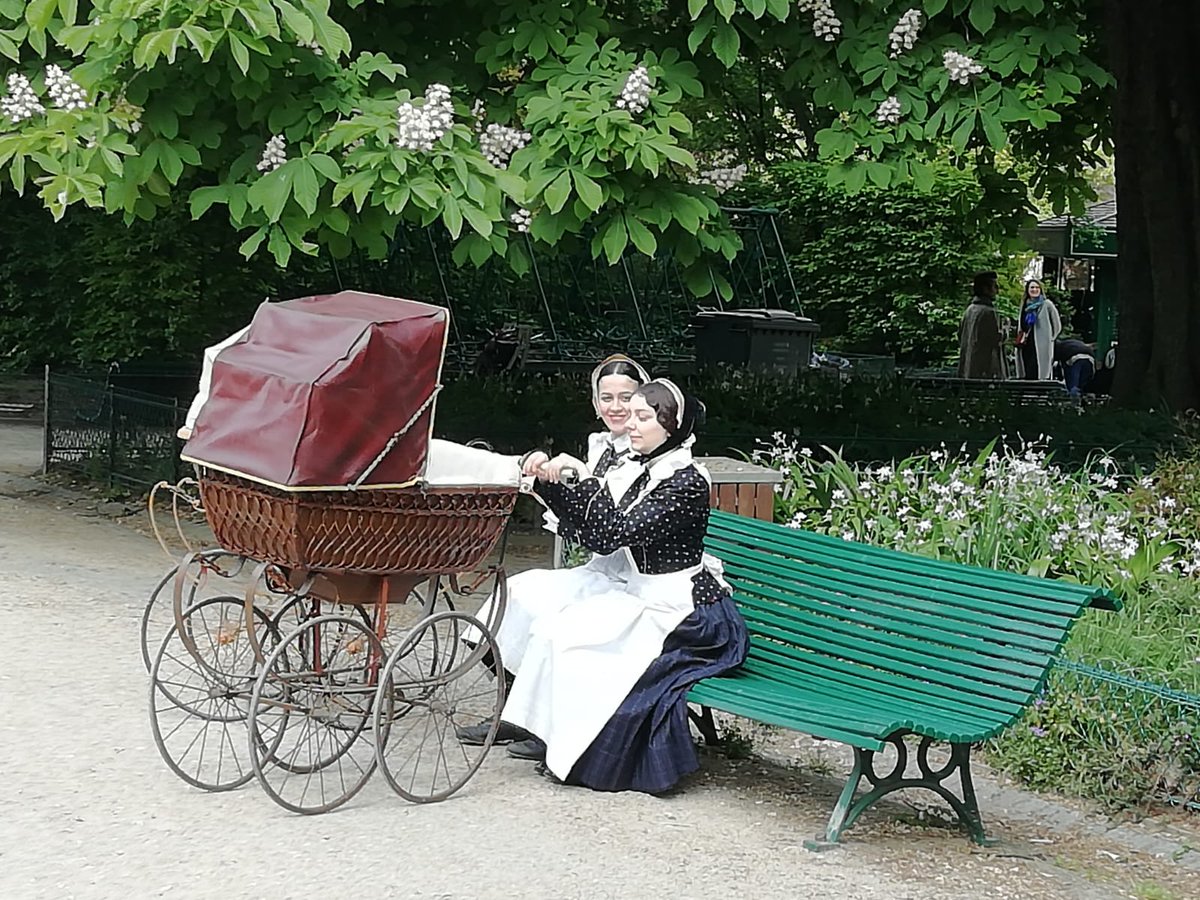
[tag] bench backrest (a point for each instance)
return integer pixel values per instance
(975, 638)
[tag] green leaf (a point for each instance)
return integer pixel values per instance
(856, 179)
(879, 173)
(241, 55)
(69, 10)
(297, 22)
(9, 49)
(615, 240)
(203, 198)
(933, 7)
(779, 9)
(452, 215)
(725, 8)
(695, 7)
(305, 188)
(589, 192)
(326, 165)
(558, 192)
(982, 15)
(39, 13)
(642, 237)
(756, 8)
(477, 219)
(962, 134)
(271, 191)
(280, 247)
(922, 177)
(996, 135)
(726, 44)
(252, 243)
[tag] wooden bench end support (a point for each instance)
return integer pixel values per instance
(847, 809)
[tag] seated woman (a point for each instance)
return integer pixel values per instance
(603, 682)
(540, 591)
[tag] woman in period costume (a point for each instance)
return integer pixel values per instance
(540, 591)
(1039, 327)
(603, 682)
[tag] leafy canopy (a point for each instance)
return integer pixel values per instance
(185, 94)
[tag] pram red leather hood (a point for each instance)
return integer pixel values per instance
(312, 394)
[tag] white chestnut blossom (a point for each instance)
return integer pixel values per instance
(960, 66)
(826, 24)
(420, 127)
(311, 45)
(521, 219)
(479, 114)
(20, 103)
(722, 178)
(635, 95)
(500, 142)
(904, 35)
(63, 90)
(127, 116)
(888, 112)
(274, 154)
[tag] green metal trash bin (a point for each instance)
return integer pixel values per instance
(772, 340)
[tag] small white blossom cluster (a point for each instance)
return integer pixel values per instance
(904, 35)
(826, 24)
(888, 112)
(635, 95)
(500, 142)
(421, 126)
(723, 178)
(20, 103)
(63, 90)
(479, 114)
(960, 66)
(128, 115)
(311, 45)
(521, 219)
(274, 154)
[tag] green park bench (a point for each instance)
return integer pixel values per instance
(869, 646)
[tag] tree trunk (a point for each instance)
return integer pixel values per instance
(1155, 56)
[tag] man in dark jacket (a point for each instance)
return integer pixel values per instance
(1078, 362)
(980, 337)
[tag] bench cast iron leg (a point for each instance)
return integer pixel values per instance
(847, 810)
(705, 724)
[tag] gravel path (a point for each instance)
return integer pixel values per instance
(88, 809)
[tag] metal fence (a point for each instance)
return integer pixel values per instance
(1149, 734)
(110, 435)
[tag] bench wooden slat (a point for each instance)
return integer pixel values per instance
(850, 684)
(940, 645)
(868, 574)
(968, 578)
(743, 567)
(977, 633)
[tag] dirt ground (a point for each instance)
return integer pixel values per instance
(88, 809)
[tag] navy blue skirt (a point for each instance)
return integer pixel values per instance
(647, 745)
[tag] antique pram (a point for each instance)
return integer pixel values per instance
(286, 657)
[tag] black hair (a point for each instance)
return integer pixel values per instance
(620, 367)
(983, 280)
(666, 408)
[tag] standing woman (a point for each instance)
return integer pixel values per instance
(603, 684)
(540, 591)
(1037, 329)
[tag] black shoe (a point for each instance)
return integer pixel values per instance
(530, 749)
(477, 735)
(545, 772)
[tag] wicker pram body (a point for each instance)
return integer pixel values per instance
(418, 529)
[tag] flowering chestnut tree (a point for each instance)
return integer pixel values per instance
(330, 122)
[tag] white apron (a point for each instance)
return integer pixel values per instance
(581, 663)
